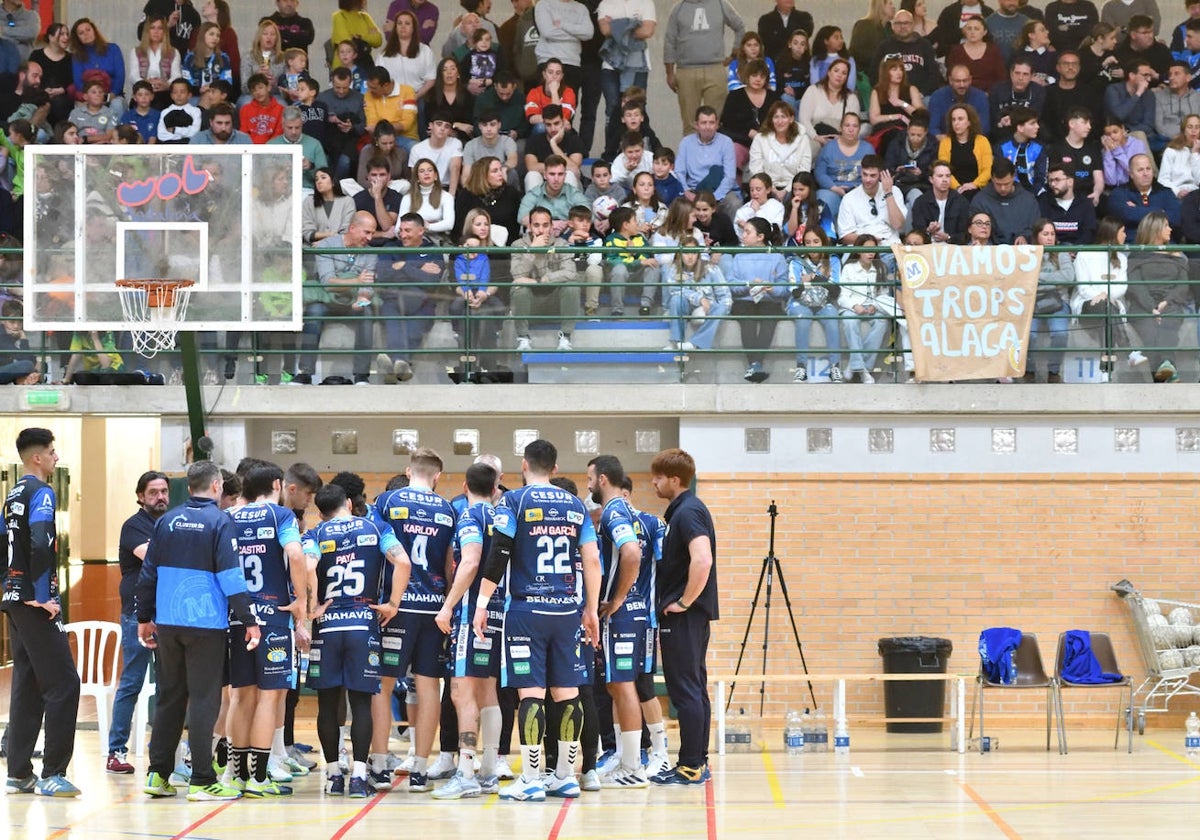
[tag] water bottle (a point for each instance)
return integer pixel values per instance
(737, 734)
(1192, 742)
(985, 744)
(809, 735)
(793, 734)
(821, 730)
(841, 739)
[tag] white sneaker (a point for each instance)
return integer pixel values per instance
(444, 768)
(672, 346)
(590, 781)
(608, 764)
(565, 788)
(278, 771)
(687, 346)
(406, 766)
(624, 777)
(865, 377)
(524, 791)
(293, 766)
(301, 759)
(659, 761)
(564, 343)
(1137, 357)
(503, 769)
(459, 787)
(524, 345)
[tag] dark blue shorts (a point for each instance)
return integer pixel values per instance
(344, 656)
(270, 666)
(543, 651)
(413, 640)
(470, 657)
(628, 650)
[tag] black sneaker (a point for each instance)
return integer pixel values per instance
(230, 367)
(302, 379)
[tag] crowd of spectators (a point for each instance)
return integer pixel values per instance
(1005, 125)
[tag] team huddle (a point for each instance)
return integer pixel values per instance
(495, 590)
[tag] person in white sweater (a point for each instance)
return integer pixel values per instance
(781, 148)
(762, 203)
(1180, 168)
(430, 201)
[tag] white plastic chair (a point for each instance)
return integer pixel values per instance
(141, 711)
(97, 646)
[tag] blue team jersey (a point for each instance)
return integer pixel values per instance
(423, 522)
(548, 526)
(654, 530)
(263, 530)
(620, 524)
(351, 556)
(474, 527)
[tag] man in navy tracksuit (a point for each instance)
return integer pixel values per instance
(686, 602)
(191, 580)
(45, 683)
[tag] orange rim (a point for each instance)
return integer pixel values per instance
(159, 293)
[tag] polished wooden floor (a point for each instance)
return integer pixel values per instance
(891, 786)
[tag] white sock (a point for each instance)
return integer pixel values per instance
(360, 770)
(568, 751)
(658, 737)
(631, 747)
(489, 736)
(466, 762)
(332, 768)
(620, 750)
(278, 750)
(420, 765)
(531, 763)
(378, 762)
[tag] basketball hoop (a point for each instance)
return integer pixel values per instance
(154, 310)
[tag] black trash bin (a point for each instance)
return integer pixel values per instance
(917, 699)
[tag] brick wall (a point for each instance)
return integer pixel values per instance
(945, 555)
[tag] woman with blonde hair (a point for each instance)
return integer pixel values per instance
(1180, 169)
(695, 290)
(869, 32)
(265, 54)
(1158, 294)
(155, 61)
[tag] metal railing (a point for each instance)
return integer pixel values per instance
(1101, 340)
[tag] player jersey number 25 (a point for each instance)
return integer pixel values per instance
(346, 581)
(554, 555)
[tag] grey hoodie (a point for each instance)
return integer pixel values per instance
(696, 32)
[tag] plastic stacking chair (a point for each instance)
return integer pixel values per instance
(141, 710)
(97, 647)
(1103, 649)
(1030, 674)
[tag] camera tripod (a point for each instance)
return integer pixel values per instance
(771, 569)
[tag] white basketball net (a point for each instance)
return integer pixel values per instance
(154, 310)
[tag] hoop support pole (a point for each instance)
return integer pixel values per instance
(191, 387)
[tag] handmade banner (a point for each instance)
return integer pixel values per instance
(968, 308)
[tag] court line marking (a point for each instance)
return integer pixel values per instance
(992, 815)
(710, 807)
(1168, 751)
(203, 820)
(362, 812)
(66, 829)
(772, 779)
(559, 820)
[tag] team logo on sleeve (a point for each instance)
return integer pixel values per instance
(622, 531)
(575, 517)
(328, 546)
(398, 513)
(533, 515)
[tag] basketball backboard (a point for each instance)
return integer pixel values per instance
(225, 217)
